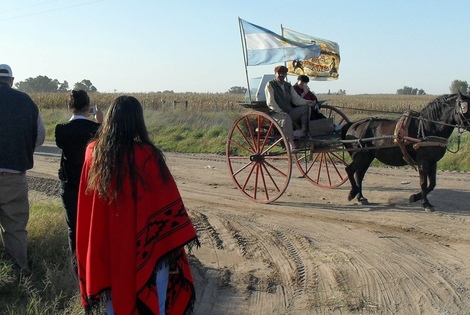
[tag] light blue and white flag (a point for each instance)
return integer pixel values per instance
(264, 47)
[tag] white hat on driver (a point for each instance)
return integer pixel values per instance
(5, 71)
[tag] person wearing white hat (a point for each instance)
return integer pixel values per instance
(22, 130)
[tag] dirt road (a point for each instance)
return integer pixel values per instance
(312, 251)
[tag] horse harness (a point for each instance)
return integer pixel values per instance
(401, 132)
(402, 138)
(401, 135)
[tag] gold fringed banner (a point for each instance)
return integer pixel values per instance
(322, 68)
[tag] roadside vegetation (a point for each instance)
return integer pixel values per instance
(52, 288)
(200, 123)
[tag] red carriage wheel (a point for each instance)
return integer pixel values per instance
(258, 157)
(338, 116)
(324, 166)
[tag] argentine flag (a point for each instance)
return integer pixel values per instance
(264, 47)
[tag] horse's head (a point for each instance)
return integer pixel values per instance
(463, 111)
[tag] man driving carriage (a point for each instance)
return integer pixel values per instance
(280, 95)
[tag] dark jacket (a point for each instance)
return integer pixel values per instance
(282, 98)
(18, 129)
(72, 137)
(309, 96)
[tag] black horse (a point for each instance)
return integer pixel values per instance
(417, 139)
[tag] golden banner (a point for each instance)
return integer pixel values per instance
(323, 68)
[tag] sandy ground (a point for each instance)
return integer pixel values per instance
(312, 251)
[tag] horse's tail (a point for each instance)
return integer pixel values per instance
(345, 129)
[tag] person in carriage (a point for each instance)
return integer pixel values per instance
(301, 87)
(280, 98)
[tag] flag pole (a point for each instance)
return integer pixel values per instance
(243, 40)
(282, 34)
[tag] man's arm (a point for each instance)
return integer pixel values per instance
(270, 101)
(298, 100)
(305, 93)
(41, 132)
(302, 92)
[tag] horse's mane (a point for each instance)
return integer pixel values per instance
(435, 108)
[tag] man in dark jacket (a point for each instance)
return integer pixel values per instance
(22, 130)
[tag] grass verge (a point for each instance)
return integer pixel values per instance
(52, 288)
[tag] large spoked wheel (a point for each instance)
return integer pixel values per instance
(258, 156)
(324, 166)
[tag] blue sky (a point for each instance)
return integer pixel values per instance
(195, 46)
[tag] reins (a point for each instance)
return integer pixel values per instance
(460, 129)
(458, 145)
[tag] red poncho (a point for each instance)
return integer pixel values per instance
(120, 243)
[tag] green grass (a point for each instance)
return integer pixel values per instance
(176, 130)
(52, 288)
(457, 161)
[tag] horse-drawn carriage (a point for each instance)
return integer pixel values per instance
(260, 159)
(259, 156)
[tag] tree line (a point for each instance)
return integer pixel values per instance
(455, 86)
(45, 84)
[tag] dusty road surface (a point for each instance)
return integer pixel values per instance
(312, 251)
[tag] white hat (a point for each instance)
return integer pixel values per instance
(5, 71)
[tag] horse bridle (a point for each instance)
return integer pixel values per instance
(463, 121)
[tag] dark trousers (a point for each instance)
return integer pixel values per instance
(69, 194)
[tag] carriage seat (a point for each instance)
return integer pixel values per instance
(257, 105)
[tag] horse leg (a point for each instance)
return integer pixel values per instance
(425, 173)
(359, 179)
(431, 175)
(350, 170)
(423, 183)
(356, 172)
(415, 197)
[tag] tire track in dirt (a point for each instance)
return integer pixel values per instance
(202, 225)
(291, 271)
(274, 275)
(378, 280)
(393, 270)
(304, 257)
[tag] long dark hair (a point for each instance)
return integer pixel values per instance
(114, 156)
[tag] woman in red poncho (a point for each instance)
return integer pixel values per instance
(132, 224)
